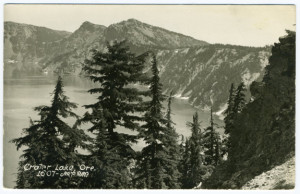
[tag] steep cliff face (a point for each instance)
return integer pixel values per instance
(25, 45)
(263, 135)
(22, 40)
(192, 68)
(204, 73)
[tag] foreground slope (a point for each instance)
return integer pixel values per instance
(263, 135)
(279, 177)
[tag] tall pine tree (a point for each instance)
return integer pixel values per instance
(235, 104)
(173, 149)
(115, 71)
(155, 161)
(31, 155)
(51, 141)
(212, 143)
(229, 111)
(239, 99)
(185, 166)
(192, 174)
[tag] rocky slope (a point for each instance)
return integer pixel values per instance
(192, 68)
(143, 37)
(263, 134)
(279, 177)
(25, 45)
(204, 73)
(23, 40)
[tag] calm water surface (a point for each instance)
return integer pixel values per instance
(22, 95)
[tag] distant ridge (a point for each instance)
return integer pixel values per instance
(138, 33)
(189, 67)
(35, 26)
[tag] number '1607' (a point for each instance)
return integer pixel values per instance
(45, 173)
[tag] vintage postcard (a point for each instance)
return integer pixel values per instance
(100, 96)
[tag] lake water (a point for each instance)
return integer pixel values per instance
(22, 95)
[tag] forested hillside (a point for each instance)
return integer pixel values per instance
(262, 135)
(204, 73)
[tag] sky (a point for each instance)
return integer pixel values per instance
(247, 25)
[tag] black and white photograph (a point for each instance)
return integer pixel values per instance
(152, 96)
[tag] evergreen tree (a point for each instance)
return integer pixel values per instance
(31, 155)
(169, 112)
(98, 149)
(212, 143)
(51, 141)
(115, 70)
(185, 166)
(172, 181)
(182, 145)
(216, 138)
(229, 111)
(155, 161)
(218, 142)
(196, 153)
(236, 103)
(239, 100)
